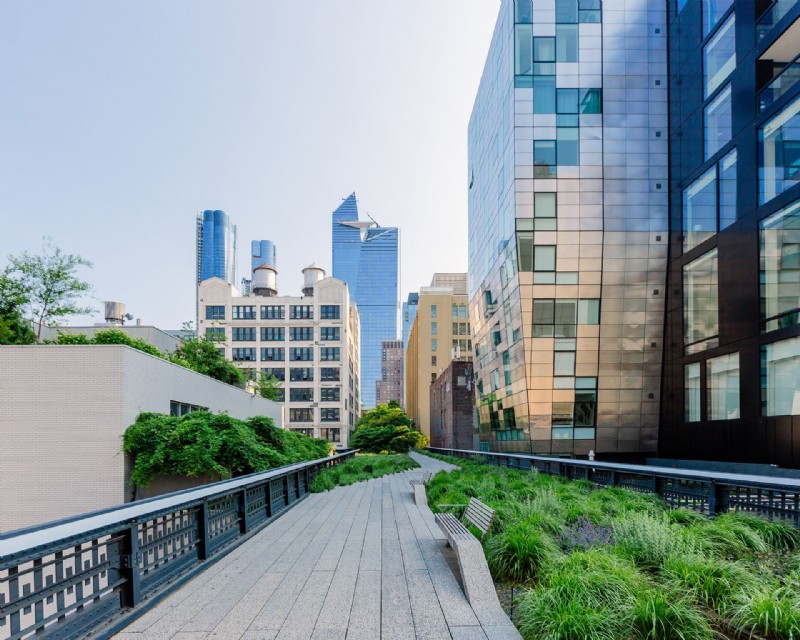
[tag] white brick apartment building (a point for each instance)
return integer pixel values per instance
(309, 342)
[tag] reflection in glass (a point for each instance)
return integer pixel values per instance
(700, 209)
(719, 56)
(727, 190)
(723, 387)
(780, 268)
(692, 392)
(717, 122)
(700, 298)
(780, 375)
(779, 153)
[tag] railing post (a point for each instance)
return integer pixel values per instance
(202, 531)
(130, 593)
(612, 478)
(286, 491)
(243, 524)
(717, 498)
(268, 489)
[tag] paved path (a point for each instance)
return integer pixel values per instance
(357, 563)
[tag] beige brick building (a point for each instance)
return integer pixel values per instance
(63, 410)
(440, 333)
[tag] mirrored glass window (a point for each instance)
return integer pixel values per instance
(717, 122)
(779, 153)
(700, 299)
(700, 209)
(719, 56)
(780, 378)
(713, 11)
(722, 380)
(692, 392)
(780, 268)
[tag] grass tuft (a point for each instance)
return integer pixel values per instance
(519, 552)
(657, 615)
(768, 611)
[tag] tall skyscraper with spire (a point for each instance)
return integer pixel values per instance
(366, 257)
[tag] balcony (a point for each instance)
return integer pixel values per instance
(779, 67)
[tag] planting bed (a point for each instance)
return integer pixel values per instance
(363, 467)
(609, 563)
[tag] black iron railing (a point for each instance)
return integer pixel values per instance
(704, 491)
(87, 576)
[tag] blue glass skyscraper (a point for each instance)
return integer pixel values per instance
(263, 252)
(216, 246)
(365, 256)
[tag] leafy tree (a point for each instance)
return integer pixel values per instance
(203, 356)
(269, 387)
(386, 428)
(14, 329)
(47, 286)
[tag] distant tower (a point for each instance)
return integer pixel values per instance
(216, 247)
(263, 252)
(366, 257)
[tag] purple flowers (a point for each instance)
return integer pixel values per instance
(583, 534)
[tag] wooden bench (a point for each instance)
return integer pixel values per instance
(480, 515)
(477, 581)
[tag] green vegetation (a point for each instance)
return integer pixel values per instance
(609, 563)
(39, 289)
(216, 444)
(269, 387)
(203, 356)
(386, 428)
(197, 354)
(362, 467)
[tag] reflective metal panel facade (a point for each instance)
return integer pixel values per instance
(568, 213)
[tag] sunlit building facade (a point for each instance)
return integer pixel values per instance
(366, 257)
(440, 334)
(568, 227)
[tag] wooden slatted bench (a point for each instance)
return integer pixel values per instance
(480, 515)
(478, 586)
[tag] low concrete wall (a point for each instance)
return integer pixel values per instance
(63, 410)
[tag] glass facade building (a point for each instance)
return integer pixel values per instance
(216, 246)
(263, 252)
(366, 257)
(732, 349)
(568, 227)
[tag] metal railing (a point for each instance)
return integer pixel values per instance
(705, 491)
(88, 576)
(780, 84)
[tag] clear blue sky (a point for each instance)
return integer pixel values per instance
(119, 121)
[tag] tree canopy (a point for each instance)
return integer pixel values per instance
(386, 428)
(203, 356)
(45, 288)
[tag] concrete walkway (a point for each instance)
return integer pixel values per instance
(356, 563)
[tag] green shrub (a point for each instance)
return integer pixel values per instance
(709, 581)
(519, 552)
(545, 614)
(588, 594)
(769, 611)
(657, 615)
(361, 467)
(776, 534)
(649, 539)
(201, 443)
(731, 535)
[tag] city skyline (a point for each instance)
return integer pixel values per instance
(172, 129)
